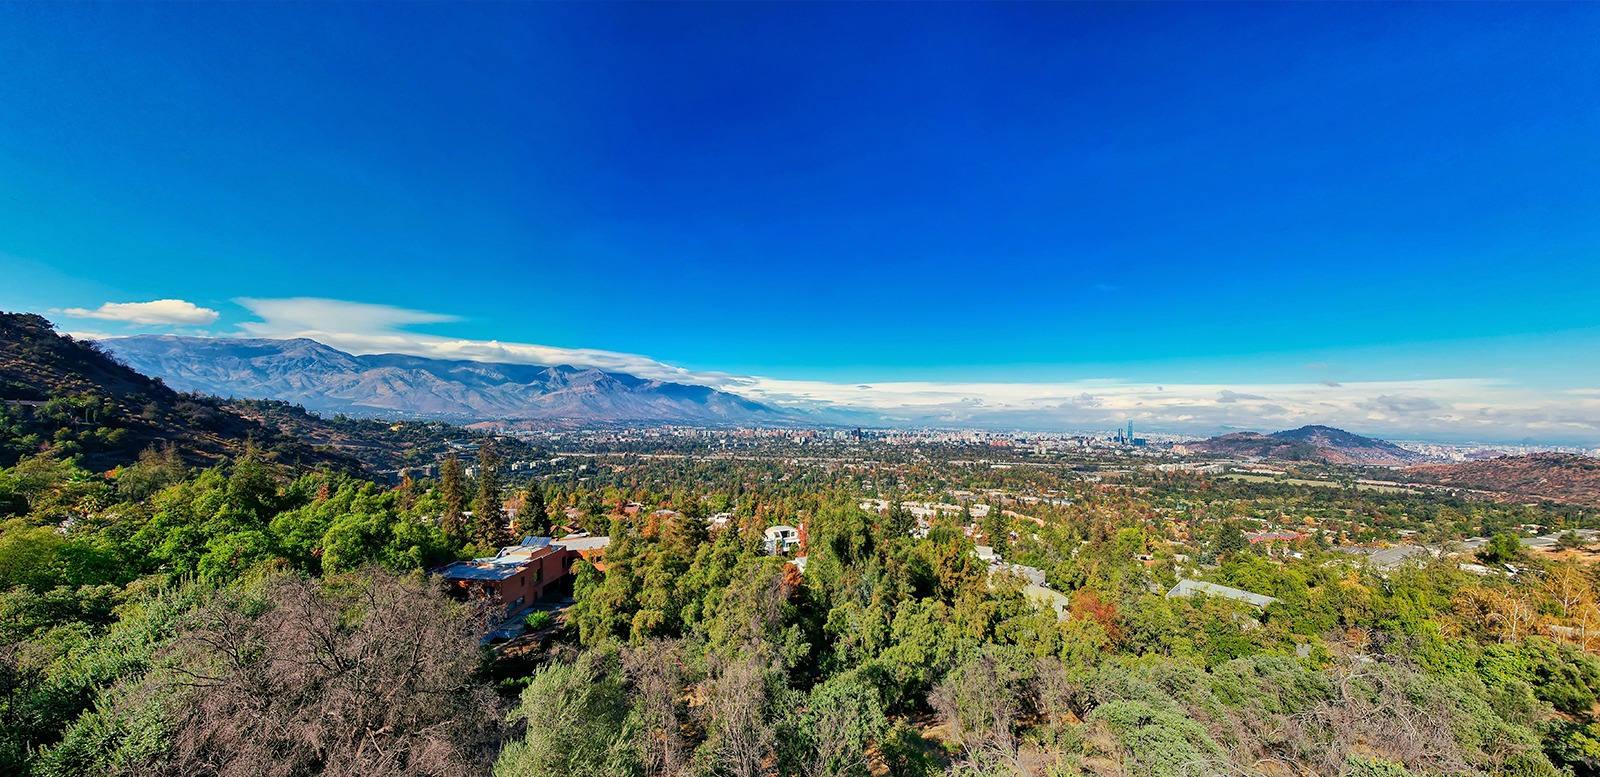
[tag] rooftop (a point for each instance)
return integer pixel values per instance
(498, 568)
(1192, 587)
(579, 544)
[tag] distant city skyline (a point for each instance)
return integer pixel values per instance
(1377, 217)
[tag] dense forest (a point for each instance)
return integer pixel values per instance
(249, 619)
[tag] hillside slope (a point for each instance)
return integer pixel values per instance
(328, 380)
(68, 397)
(1559, 477)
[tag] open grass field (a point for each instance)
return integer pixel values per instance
(1318, 483)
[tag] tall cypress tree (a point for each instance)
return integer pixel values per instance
(997, 529)
(533, 517)
(898, 522)
(488, 519)
(453, 489)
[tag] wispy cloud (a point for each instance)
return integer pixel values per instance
(1458, 408)
(331, 315)
(363, 328)
(172, 312)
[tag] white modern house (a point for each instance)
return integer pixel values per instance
(780, 539)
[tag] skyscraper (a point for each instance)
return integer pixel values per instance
(1130, 432)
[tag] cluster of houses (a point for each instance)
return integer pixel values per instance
(538, 570)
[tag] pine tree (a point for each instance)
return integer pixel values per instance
(533, 517)
(453, 489)
(1230, 539)
(898, 521)
(488, 519)
(997, 529)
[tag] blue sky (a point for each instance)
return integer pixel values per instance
(1251, 195)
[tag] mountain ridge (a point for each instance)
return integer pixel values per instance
(325, 379)
(1559, 477)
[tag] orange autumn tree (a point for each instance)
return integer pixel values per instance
(1087, 603)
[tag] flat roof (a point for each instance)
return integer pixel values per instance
(1192, 587)
(583, 543)
(1055, 600)
(479, 569)
(517, 554)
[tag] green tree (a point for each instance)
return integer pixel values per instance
(1229, 540)
(997, 529)
(453, 490)
(576, 716)
(30, 555)
(533, 515)
(488, 512)
(156, 469)
(1504, 548)
(842, 718)
(898, 521)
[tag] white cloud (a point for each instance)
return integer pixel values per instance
(1453, 408)
(162, 311)
(81, 335)
(1442, 408)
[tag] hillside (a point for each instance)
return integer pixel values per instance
(325, 379)
(1559, 477)
(1322, 444)
(383, 446)
(69, 397)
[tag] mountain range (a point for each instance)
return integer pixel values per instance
(328, 380)
(1309, 443)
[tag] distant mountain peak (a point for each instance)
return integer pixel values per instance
(1311, 429)
(1310, 443)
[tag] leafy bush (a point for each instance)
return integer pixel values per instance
(1367, 766)
(1160, 742)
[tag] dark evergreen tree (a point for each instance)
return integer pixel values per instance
(899, 521)
(997, 529)
(534, 515)
(488, 517)
(1230, 539)
(453, 490)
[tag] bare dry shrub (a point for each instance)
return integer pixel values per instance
(736, 718)
(1403, 715)
(367, 674)
(656, 672)
(982, 701)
